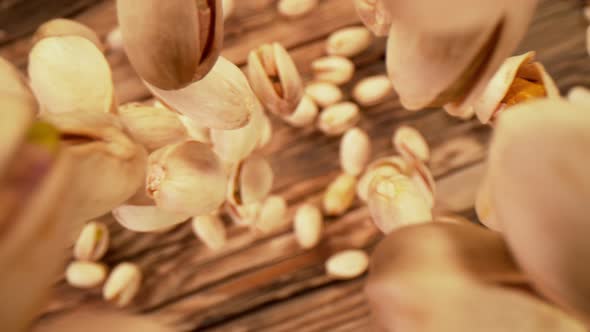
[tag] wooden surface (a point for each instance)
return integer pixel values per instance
(267, 283)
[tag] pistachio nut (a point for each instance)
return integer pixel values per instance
(395, 201)
(374, 16)
(483, 205)
(221, 100)
(339, 195)
(308, 225)
(587, 12)
(333, 69)
(210, 230)
(384, 166)
(338, 118)
(243, 214)
(296, 8)
(372, 90)
(349, 41)
(250, 181)
(324, 94)
(92, 243)
(179, 46)
(122, 284)
(272, 215)
(59, 27)
(580, 96)
(228, 7)
(265, 133)
(355, 151)
(194, 130)
(304, 114)
(186, 178)
(347, 264)
(63, 70)
(82, 274)
(410, 144)
(114, 40)
(275, 79)
(147, 218)
(152, 127)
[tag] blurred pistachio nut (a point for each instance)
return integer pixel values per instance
(296, 8)
(423, 179)
(451, 218)
(349, 41)
(63, 27)
(324, 94)
(372, 90)
(186, 178)
(114, 40)
(275, 79)
(265, 133)
(580, 96)
(221, 100)
(179, 46)
(250, 181)
(82, 274)
(384, 166)
(304, 114)
(92, 243)
(347, 264)
(228, 7)
(243, 214)
(339, 195)
(70, 74)
(338, 118)
(308, 225)
(122, 284)
(410, 144)
(152, 127)
(210, 230)
(194, 130)
(374, 16)
(272, 215)
(147, 218)
(483, 205)
(333, 69)
(520, 78)
(355, 151)
(395, 201)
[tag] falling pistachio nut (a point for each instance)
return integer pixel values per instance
(92, 243)
(63, 27)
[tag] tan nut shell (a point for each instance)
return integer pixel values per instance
(347, 264)
(250, 181)
(384, 166)
(272, 215)
(304, 114)
(338, 118)
(147, 218)
(93, 242)
(333, 69)
(355, 151)
(349, 41)
(308, 225)
(81, 274)
(339, 195)
(122, 284)
(210, 230)
(63, 27)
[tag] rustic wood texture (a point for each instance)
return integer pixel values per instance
(267, 283)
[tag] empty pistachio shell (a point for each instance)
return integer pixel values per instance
(151, 126)
(93, 242)
(228, 7)
(63, 27)
(580, 96)
(339, 195)
(374, 16)
(308, 225)
(114, 40)
(70, 74)
(372, 90)
(338, 118)
(304, 114)
(222, 99)
(122, 284)
(347, 264)
(186, 178)
(385, 166)
(272, 215)
(179, 46)
(410, 143)
(147, 218)
(275, 79)
(395, 201)
(210, 230)
(296, 8)
(323, 93)
(355, 151)
(333, 69)
(85, 274)
(349, 41)
(250, 182)
(265, 133)
(519, 79)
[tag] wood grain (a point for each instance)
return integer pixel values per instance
(267, 283)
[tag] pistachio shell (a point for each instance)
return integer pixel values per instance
(70, 74)
(221, 100)
(93, 242)
(186, 178)
(349, 41)
(410, 143)
(147, 218)
(333, 69)
(114, 40)
(265, 134)
(250, 182)
(385, 166)
(228, 7)
(243, 214)
(272, 215)
(355, 151)
(210, 230)
(483, 205)
(372, 90)
(347, 264)
(122, 284)
(374, 16)
(194, 130)
(296, 8)
(179, 46)
(304, 114)
(338, 118)
(580, 96)
(81, 274)
(323, 93)
(63, 27)
(339, 195)
(308, 225)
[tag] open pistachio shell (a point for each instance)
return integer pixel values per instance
(186, 178)
(520, 78)
(180, 44)
(540, 186)
(384, 166)
(63, 27)
(147, 218)
(250, 181)
(374, 16)
(410, 143)
(70, 74)
(222, 99)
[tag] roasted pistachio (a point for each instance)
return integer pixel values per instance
(372, 90)
(147, 218)
(338, 118)
(323, 93)
(122, 284)
(296, 8)
(410, 143)
(347, 264)
(272, 215)
(349, 41)
(63, 27)
(308, 225)
(245, 215)
(81, 274)
(385, 166)
(580, 96)
(333, 69)
(304, 114)
(93, 242)
(210, 230)
(339, 195)
(374, 16)
(250, 181)
(355, 151)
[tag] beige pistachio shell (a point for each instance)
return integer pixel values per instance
(275, 79)
(384, 166)
(221, 100)
(69, 74)
(211, 230)
(93, 242)
(308, 225)
(63, 27)
(186, 178)
(296, 8)
(122, 284)
(324, 94)
(339, 195)
(372, 90)
(347, 264)
(194, 130)
(349, 41)
(410, 144)
(304, 114)
(147, 218)
(228, 7)
(580, 96)
(245, 215)
(338, 118)
(374, 16)
(272, 216)
(355, 151)
(265, 133)
(333, 69)
(539, 188)
(81, 274)
(179, 46)
(250, 181)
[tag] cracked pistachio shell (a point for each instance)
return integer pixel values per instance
(63, 27)
(273, 215)
(152, 127)
(186, 178)
(374, 16)
(243, 214)
(333, 69)
(395, 201)
(122, 284)
(211, 230)
(69, 74)
(180, 44)
(221, 100)
(539, 186)
(410, 144)
(372, 90)
(308, 225)
(324, 94)
(296, 8)
(355, 151)
(275, 79)
(579, 95)
(384, 166)
(349, 41)
(457, 266)
(338, 118)
(250, 181)
(147, 218)
(523, 67)
(304, 114)
(82, 274)
(93, 242)
(339, 195)
(347, 264)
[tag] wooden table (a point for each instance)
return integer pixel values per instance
(267, 283)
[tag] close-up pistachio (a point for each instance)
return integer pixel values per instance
(147, 217)
(355, 151)
(333, 69)
(308, 225)
(338, 118)
(122, 284)
(347, 264)
(339, 195)
(305, 113)
(243, 215)
(374, 16)
(114, 40)
(296, 8)
(265, 133)
(210, 230)
(92, 243)
(410, 144)
(372, 90)
(63, 27)
(194, 130)
(179, 46)
(349, 41)
(82, 274)
(580, 96)
(250, 181)
(384, 166)
(324, 94)
(275, 79)
(272, 215)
